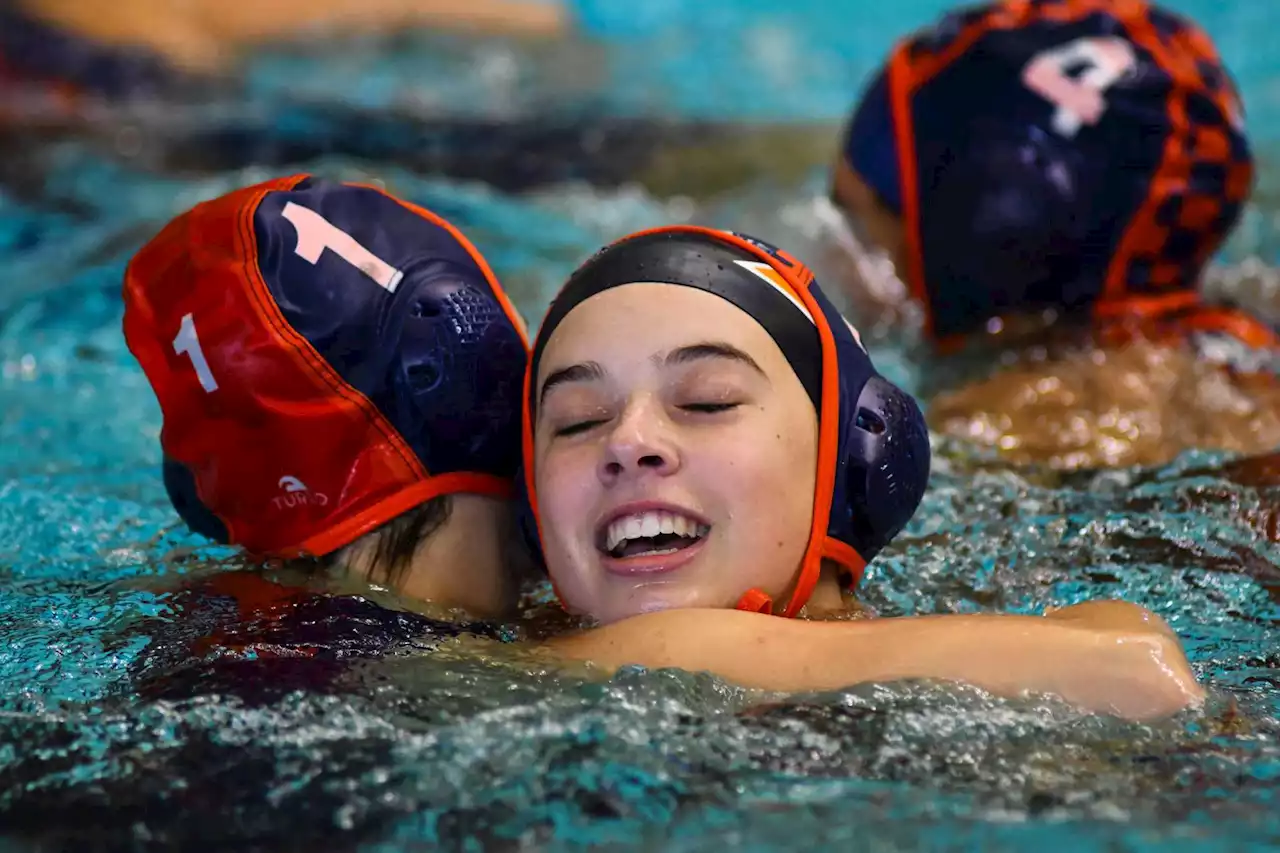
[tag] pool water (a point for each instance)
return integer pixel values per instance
(113, 738)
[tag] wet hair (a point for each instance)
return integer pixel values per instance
(397, 541)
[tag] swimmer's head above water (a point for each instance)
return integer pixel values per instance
(703, 429)
(1080, 157)
(339, 374)
(1050, 177)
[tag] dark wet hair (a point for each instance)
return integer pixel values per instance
(398, 540)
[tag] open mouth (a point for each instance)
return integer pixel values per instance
(652, 533)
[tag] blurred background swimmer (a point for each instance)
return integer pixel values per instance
(170, 80)
(171, 76)
(207, 35)
(1049, 178)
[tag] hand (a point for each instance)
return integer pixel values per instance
(1124, 659)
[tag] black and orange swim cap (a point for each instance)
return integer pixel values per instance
(873, 446)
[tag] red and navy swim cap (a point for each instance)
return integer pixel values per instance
(1067, 154)
(873, 445)
(326, 357)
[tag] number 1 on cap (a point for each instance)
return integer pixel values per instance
(1100, 64)
(188, 343)
(315, 234)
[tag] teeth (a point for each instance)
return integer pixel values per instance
(646, 525)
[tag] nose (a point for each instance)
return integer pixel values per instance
(641, 442)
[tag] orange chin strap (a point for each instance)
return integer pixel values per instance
(794, 278)
(759, 601)
(755, 601)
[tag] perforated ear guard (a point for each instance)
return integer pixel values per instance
(885, 469)
(459, 365)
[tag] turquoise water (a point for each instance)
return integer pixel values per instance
(404, 750)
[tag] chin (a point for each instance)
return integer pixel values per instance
(654, 599)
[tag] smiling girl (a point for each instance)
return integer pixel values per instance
(705, 435)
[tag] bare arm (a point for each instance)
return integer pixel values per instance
(284, 18)
(1107, 657)
(201, 35)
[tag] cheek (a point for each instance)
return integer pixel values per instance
(767, 476)
(791, 470)
(563, 482)
(559, 505)
(768, 486)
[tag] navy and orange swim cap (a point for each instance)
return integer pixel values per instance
(326, 358)
(873, 446)
(1067, 154)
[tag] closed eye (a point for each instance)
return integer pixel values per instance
(579, 427)
(709, 408)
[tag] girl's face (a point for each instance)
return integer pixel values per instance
(675, 454)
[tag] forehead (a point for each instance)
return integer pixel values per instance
(638, 321)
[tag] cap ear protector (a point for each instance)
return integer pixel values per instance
(873, 447)
(886, 467)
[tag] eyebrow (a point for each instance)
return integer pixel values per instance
(584, 372)
(711, 349)
(589, 371)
